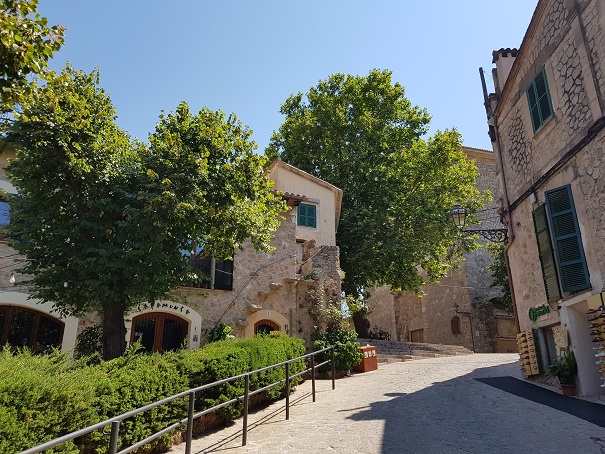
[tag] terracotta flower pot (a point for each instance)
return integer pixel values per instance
(568, 390)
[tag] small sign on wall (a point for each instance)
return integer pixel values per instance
(536, 312)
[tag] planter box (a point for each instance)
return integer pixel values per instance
(369, 361)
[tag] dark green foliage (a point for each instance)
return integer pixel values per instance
(89, 343)
(104, 220)
(346, 347)
(362, 134)
(135, 380)
(227, 358)
(565, 368)
(220, 332)
(497, 269)
(44, 397)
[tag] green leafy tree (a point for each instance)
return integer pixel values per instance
(26, 45)
(363, 135)
(103, 220)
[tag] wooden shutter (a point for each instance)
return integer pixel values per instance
(538, 98)
(569, 253)
(307, 215)
(547, 258)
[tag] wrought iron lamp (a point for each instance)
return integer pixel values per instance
(486, 217)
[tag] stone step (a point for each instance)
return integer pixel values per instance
(414, 349)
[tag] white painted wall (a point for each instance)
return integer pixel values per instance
(324, 198)
(574, 318)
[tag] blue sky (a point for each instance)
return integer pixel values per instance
(247, 56)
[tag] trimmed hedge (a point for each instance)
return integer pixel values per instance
(44, 397)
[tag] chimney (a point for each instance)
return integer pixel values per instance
(504, 59)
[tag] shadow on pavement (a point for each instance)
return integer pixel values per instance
(463, 415)
(589, 411)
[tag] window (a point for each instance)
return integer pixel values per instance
(203, 264)
(456, 325)
(159, 332)
(547, 258)
(5, 214)
(545, 346)
(567, 241)
(307, 215)
(265, 327)
(22, 327)
(417, 335)
(538, 98)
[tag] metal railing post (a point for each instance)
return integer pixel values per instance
(333, 361)
(287, 391)
(189, 435)
(313, 376)
(113, 438)
(246, 399)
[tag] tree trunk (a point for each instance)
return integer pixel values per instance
(114, 330)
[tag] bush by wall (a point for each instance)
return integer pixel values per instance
(44, 397)
(346, 348)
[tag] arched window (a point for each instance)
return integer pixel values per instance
(265, 327)
(456, 325)
(159, 331)
(23, 327)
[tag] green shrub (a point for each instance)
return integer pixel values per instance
(89, 344)
(220, 332)
(346, 348)
(135, 380)
(227, 358)
(44, 397)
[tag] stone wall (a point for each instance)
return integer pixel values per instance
(269, 284)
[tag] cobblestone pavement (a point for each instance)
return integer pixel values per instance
(430, 406)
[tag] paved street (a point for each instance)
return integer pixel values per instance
(428, 406)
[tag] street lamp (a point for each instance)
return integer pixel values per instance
(458, 216)
(488, 216)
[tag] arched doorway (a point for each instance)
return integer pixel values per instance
(159, 331)
(23, 327)
(265, 327)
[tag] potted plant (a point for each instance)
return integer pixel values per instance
(565, 369)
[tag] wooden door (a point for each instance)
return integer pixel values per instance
(159, 331)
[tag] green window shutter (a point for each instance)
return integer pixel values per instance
(539, 101)
(547, 258)
(307, 215)
(567, 240)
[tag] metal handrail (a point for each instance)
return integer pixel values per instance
(191, 415)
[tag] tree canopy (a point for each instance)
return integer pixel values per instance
(26, 45)
(362, 134)
(103, 219)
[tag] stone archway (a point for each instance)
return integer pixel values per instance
(67, 338)
(271, 318)
(178, 310)
(159, 331)
(265, 326)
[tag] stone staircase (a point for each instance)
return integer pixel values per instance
(395, 351)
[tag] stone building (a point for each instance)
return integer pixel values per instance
(254, 292)
(546, 125)
(456, 310)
